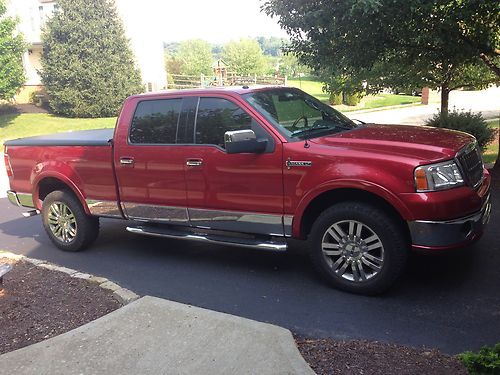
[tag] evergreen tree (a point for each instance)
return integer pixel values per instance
(88, 68)
(11, 56)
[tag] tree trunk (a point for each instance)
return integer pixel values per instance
(445, 98)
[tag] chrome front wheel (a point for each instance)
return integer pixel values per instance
(358, 247)
(353, 250)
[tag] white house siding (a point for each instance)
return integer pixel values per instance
(142, 25)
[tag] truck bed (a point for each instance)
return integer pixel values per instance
(85, 158)
(98, 137)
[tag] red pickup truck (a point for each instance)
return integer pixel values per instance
(253, 167)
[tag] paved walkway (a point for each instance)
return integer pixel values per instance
(486, 101)
(156, 336)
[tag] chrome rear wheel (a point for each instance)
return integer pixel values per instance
(62, 222)
(66, 223)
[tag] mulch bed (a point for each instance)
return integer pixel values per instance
(328, 356)
(36, 304)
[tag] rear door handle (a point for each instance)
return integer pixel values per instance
(127, 161)
(194, 162)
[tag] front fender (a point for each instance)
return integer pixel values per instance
(367, 186)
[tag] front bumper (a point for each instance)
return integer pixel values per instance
(450, 233)
(20, 199)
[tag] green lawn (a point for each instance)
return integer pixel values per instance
(14, 126)
(314, 88)
(490, 155)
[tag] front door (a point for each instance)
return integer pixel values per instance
(234, 192)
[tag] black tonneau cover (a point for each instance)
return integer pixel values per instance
(98, 137)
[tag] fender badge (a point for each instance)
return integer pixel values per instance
(297, 163)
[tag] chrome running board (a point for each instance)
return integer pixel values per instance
(217, 238)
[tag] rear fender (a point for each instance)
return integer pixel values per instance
(60, 171)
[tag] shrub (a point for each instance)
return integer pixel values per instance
(484, 362)
(335, 98)
(352, 99)
(468, 122)
(7, 109)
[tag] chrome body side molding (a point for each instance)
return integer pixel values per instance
(104, 208)
(235, 221)
(287, 225)
(160, 214)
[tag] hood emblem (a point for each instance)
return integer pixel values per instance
(297, 163)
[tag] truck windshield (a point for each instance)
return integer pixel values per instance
(296, 114)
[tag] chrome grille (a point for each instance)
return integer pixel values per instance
(471, 161)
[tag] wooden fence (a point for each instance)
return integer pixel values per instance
(181, 81)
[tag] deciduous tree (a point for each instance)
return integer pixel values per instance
(194, 57)
(12, 48)
(445, 44)
(245, 57)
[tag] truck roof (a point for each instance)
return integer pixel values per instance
(240, 90)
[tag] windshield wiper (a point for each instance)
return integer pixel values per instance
(308, 130)
(336, 121)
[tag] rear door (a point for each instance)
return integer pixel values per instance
(235, 192)
(150, 161)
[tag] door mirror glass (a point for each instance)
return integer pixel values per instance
(243, 141)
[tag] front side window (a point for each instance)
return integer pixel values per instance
(155, 121)
(217, 116)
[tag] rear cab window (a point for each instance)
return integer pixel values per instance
(155, 121)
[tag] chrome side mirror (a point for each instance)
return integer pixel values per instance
(243, 141)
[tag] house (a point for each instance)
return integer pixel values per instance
(146, 44)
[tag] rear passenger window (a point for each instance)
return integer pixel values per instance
(155, 121)
(217, 116)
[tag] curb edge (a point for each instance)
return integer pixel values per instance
(122, 295)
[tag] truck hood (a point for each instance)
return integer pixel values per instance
(420, 142)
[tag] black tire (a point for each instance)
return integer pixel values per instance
(391, 247)
(84, 227)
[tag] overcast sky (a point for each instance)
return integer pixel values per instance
(216, 21)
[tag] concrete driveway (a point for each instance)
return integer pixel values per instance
(486, 101)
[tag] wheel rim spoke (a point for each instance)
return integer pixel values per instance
(373, 266)
(361, 270)
(353, 250)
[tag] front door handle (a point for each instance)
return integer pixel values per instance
(194, 162)
(126, 161)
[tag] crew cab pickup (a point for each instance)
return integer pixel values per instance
(254, 167)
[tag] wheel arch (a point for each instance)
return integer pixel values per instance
(382, 199)
(47, 183)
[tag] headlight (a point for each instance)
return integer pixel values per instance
(439, 176)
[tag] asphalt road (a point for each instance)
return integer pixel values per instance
(450, 301)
